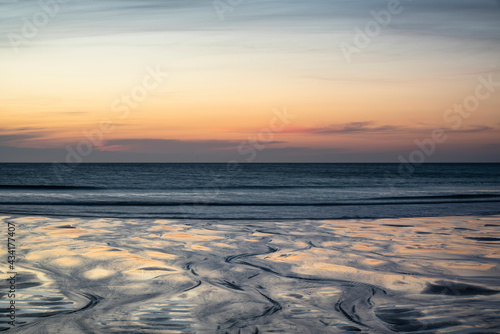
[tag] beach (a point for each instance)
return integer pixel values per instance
(249, 167)
(90, 275)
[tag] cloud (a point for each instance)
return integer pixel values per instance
(169, 151)
(172, 146)
(356, 127)
(348, 128)
(473, 129)
(165, 145)
(14, 136)
(24, 128)
(447, 153)
(107, 17)
(71, 113)
(4, 139)
(370, 127)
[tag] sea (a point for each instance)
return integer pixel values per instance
(249, 248)
(226, 191)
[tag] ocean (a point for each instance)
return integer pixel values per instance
(251, 248)
(250, 191)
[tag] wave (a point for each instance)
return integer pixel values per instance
(247, 187)
(155, 187)
(453, 196)
(45, 187)
(280, 204)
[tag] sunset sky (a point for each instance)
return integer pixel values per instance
(256, 81)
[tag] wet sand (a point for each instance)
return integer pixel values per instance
(425, 275)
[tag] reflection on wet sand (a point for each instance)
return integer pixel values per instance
(156, 276)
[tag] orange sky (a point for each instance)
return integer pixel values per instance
(225, 78)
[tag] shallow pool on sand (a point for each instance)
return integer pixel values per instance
(157, 276)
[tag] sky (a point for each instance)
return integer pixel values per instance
(250, 81)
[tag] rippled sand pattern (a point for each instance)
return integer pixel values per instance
(425, 275)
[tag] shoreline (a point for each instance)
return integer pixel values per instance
(305, 276)
(239, 220)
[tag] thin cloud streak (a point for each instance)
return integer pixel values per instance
(80, 18)
(369, 127)
(22, 135)
(147, 145)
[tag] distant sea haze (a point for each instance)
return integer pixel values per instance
(250, 191)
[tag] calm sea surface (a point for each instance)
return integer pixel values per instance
(249, 191)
